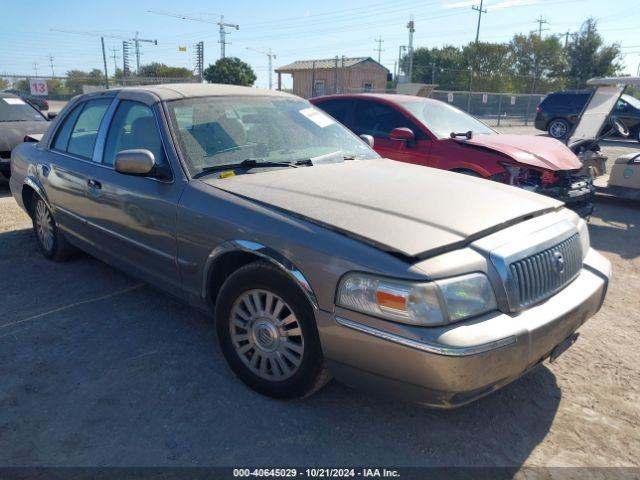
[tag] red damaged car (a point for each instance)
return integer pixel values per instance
(435, 134)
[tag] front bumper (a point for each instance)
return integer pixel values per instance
(452, 365)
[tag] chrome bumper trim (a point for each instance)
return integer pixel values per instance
(424, 346)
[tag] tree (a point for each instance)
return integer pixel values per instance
(77, 78)
(230, 70)
(446, 67)
(160, 70)
(537, 63)
(588, 56)
(491, 64)
(3, 84)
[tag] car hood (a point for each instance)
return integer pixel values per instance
(398, 207)
(13, 133)
(534, 150)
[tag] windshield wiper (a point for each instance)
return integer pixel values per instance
(245, 164)
(468, 135)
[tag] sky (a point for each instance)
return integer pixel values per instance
(293, 30)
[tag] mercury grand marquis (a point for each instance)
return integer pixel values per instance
(316, 257)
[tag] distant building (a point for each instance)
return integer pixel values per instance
(313, 78)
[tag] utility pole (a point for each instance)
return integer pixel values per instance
(35, 68)
(433, 73)
(114, 55)
(401, 49)
(270, 55)
(223, 34)
(104, 60)
(411, 27)
(566, 38)
(51, 65)
(200, 60)
(379, 41)
(136, 40)
(541, 21)
(480, 12)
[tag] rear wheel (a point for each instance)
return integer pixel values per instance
(267, 333)
(51, 241)
(558, 128)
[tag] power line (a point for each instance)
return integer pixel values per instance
(115, 57)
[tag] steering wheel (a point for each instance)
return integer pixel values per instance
(618, 126)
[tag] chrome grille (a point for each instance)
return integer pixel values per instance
(542, 274)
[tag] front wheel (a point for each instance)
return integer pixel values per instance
(558, 128)
(51, 241)
(267, 333)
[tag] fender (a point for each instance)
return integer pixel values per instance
(262, 251)
(33, 183)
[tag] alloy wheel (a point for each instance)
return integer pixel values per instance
(558, 129)
(44, 225)
(266, 335)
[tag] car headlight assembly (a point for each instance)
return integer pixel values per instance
(426, 304)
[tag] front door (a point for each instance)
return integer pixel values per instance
(133, 219)
(378, 120)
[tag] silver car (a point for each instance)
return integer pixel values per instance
(316, 257)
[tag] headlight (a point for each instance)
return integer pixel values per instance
(431, 303)
(583, 230)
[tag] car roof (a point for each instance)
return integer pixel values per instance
(389, 97)
(175, 91)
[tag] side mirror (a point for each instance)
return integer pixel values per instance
(135, 162)
(368, 139)
(52, 115)
(403, 134)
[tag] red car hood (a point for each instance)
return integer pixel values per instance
(537, 151)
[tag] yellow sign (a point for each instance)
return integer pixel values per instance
(182, 49)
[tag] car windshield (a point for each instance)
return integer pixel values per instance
(13, 109)
(219, 131)
(442, 119)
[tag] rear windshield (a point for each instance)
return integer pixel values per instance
(14, 109)
(575, 100)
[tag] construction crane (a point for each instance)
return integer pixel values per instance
(136, 40)
(271, 56)
(221, 26)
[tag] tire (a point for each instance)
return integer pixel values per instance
(51, 241)
(558, 128)
(267, 333)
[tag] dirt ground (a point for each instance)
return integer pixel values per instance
(99, 369)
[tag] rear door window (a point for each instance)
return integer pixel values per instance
(78, 133)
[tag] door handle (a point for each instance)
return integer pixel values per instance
(94, 184)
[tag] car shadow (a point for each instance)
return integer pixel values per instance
(616, 228)
(4, 187)
(99, 369)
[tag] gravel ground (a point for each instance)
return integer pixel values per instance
(99, 369)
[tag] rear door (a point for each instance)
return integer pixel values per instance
(133, 218)
(66, 175)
